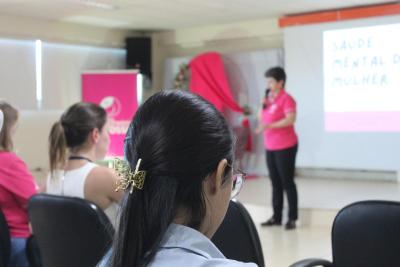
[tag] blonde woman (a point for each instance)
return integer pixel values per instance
(17, 185)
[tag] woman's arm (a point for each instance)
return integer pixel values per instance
(100, 187)
(289, 120)
(289, 107)
(22, 183)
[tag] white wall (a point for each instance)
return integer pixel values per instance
(61, 83)
(17, 72)
(224, 38)
(28, 28)
(69, 49)
(62, 68)
(31, 139)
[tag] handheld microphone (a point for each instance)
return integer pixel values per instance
(264, 106)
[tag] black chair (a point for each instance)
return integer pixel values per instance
(364, 234)
(237, 237)
(69, 231)
(33, 252)
(5, 242)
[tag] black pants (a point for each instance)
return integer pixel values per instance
(281, 166)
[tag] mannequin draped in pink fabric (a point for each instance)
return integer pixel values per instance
(208, 79)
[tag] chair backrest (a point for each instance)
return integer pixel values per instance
(33, 252)
(367, 234)
(5, 243)
(69, 231)
(237, 237)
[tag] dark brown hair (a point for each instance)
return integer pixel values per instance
(277, 73)
(72, 130)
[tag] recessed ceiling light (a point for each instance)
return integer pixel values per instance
(100, 5)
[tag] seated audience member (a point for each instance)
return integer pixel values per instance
(76, 141)
(180, 151)
(16, 186)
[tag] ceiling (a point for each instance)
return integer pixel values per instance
(165, 14)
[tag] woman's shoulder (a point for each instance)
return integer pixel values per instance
(287, 95)
(102, 171)
(184, 246)
(226, 263)
(229, 263)
(187, 258)
(288, 99)
(11, 159)
(194, 262)
(8, 155)
(101, 177)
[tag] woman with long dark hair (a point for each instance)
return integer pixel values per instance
(180, 150)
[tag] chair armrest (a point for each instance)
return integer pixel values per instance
(312, 263)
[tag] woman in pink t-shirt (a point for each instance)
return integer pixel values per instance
(16, 187)
(277, 120)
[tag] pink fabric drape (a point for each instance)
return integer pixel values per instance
(208, 79)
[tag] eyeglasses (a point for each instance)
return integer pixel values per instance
(238, 179)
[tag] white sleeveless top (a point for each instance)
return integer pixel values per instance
(72, 183)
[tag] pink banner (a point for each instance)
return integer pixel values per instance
(362, 121)
(116, 93)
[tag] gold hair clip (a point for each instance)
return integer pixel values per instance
(127, 177)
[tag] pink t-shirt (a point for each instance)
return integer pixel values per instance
(277, 108)
(16, 187)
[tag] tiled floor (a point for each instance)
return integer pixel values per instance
(319, 201)
(322, 193)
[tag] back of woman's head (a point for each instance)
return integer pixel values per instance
(72, 130)
(180, 139)
(10, 118)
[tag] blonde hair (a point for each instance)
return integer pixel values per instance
(10, 118)
(57, 147)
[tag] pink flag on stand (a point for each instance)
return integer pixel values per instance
(116, 93)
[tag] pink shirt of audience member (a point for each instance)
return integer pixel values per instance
(17, 185)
